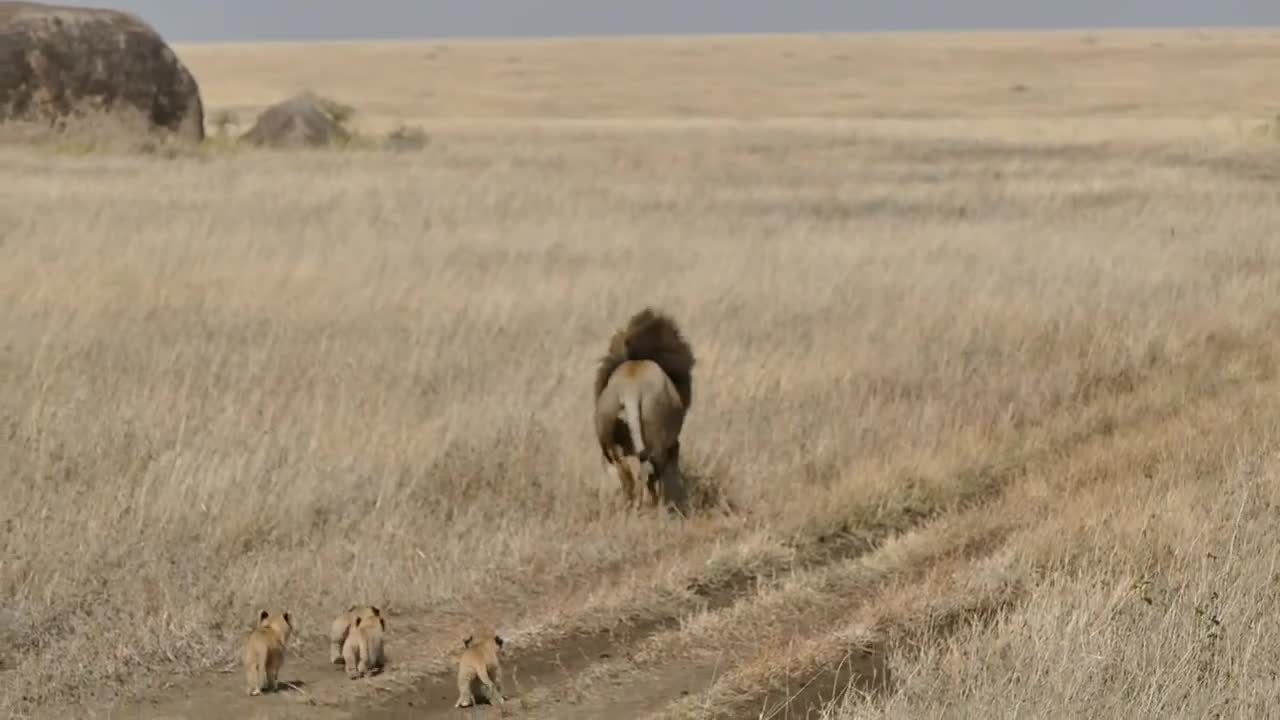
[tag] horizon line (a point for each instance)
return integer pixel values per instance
(607, 36)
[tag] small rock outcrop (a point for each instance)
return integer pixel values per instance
(305, 120)
(60, 62)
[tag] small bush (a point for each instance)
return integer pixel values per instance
(340, 112)
(406, 138)
(224, 121)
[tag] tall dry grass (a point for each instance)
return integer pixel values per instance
(1141, 599)
(247, 379)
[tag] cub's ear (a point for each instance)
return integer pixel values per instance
(466, 641)
(498, 639)
(288, 619)
(263, 615)
(376, 611)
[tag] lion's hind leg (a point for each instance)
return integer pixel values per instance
(491, 689)
(630, 473)
(653, 484)
(466, 698)
(640, 470)
(671, 488)
(255, 677)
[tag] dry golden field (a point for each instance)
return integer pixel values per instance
(985, 419)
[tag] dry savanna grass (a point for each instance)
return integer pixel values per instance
(986, 328)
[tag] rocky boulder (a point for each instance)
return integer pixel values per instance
(58, 63)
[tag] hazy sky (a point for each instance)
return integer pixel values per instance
(224, 20)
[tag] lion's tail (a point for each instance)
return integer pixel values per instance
(631, 412)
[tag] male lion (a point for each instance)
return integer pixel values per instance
(643, 389)
(263, 653)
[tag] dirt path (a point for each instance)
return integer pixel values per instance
(314, 689)
(560, 661)
(673, 667)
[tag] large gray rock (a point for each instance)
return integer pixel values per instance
(305, 120)
(60, 62)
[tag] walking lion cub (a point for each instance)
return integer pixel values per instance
(362, 652)
(480, 670)
(342, 625)
(263, 653)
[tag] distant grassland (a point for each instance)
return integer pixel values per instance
(1165, 81)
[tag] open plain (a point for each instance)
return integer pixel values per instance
(984, 419)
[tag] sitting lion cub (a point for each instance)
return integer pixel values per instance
(263, 653)
(341, 627)
(362, 651)
(479, 670)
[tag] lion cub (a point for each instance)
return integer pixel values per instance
(341, 628)
(263, 653)
(479, 670)
(362, 651)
